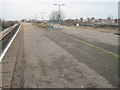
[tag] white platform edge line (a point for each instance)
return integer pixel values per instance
(9, 44)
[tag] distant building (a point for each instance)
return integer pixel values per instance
(108, 21)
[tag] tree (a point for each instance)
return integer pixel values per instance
(88, 18)
(0, 22)
(81, 19)
(56, 16)
(110, 17)
(93, 18)
(0, 25)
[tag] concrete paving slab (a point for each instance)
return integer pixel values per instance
(6, 79)
(8, 67)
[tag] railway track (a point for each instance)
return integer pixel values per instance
(6, 37)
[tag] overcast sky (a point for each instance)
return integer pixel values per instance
(19, 9)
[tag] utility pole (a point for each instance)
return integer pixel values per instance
(59, 13)
(42, 15)
(35, 18)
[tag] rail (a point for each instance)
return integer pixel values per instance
(7, 31)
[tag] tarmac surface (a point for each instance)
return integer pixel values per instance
(104, 40)
(41, 58)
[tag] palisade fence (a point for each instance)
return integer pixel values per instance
(100, 25)
(95, 25)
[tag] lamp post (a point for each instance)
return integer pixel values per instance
(35, 18)
(42, 16)
(59, 14)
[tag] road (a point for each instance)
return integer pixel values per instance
(54, 59)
